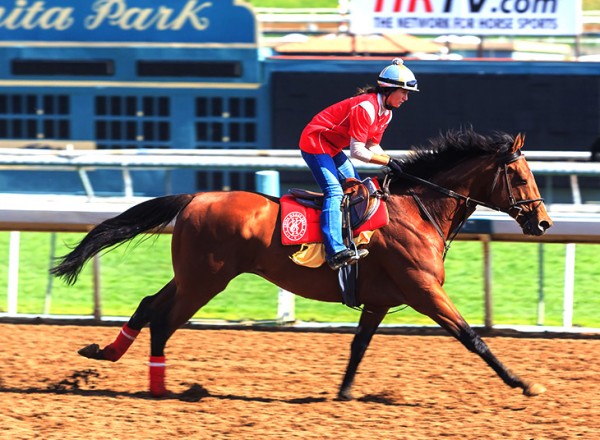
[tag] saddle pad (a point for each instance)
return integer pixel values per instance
(300, 224)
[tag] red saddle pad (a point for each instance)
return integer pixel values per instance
(300, 224)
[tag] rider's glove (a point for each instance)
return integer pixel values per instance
(395, 165)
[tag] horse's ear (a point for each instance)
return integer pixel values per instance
(519, 142)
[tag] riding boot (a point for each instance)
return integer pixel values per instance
(347, 256)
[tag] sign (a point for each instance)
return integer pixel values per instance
(467, 17)
(149, 21)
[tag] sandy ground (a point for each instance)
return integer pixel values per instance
(244, 384)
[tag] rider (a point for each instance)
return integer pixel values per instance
(357, 122)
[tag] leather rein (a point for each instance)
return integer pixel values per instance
(469, 201)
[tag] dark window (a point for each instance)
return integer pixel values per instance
(17, 106)
(148, 104)
(217, 132)
(131, 106)
(31, 128)
(217, 106)
(235, 107)
(201, 131)
(49, 129)
(101, 105)
(115, 106)
(197, 69)
(31, 103)
(62, 67)
(17, 128)
(63, 129)
(63, 105)
(164, 132)
(101, 133)
(250, 130)
(148, 128)
(49, 105)
(201, 106)
(234, 132)
(115, 130)
(250, 110)
(163, 106)
(131, 131)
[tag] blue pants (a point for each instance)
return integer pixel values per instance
(329, 172)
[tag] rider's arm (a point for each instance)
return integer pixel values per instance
(368, 153)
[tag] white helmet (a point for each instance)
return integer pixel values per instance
(398, 75)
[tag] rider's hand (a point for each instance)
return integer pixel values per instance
(395, 165)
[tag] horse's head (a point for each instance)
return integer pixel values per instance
(515, 191)
(480, 170)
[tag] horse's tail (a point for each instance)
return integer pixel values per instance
(152, 215)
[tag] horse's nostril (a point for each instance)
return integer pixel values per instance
(544, 225)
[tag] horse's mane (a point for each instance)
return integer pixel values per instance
(445, 151)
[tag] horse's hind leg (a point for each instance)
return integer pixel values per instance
(175, 312)
(369, 321)
(143, 314)
(442, 311)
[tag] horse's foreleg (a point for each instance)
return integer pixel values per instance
(369, 321)
(442, 311)
(474, 343)
(129, 332)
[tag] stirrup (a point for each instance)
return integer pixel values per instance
(347, 256)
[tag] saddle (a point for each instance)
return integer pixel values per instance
(361, 199)
(301, 211)
(362, 213)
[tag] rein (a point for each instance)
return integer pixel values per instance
(469, 201)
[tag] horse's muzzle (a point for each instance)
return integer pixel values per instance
(535, 226)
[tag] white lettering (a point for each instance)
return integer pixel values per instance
(430, 23)
(495, 23)
(190, 13)
(57, 18)
(35, 16)
(538, 23)
(105, 9)
(136, 18)
(116, 13)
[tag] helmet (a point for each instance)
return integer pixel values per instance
(397, 75)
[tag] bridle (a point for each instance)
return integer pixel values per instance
(514, 203)
(500, 175)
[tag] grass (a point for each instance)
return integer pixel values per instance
(131, 272)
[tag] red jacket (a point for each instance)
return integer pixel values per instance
(359, 117)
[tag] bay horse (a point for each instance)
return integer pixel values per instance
(219, 235)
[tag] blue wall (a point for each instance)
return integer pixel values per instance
(557, 104)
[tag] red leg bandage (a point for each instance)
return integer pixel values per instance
(114, 351)
(157, 376)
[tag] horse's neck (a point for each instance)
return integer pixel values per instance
(449, 212)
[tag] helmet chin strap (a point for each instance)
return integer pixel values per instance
(385, 102)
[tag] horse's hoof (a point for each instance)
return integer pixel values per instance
(159, 392)
(534, 389)
(345, 395)
(92, 351)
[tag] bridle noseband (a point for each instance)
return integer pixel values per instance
(514, 204)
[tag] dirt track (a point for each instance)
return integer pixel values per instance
(254, 384)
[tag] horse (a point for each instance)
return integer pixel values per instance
(219, 235)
